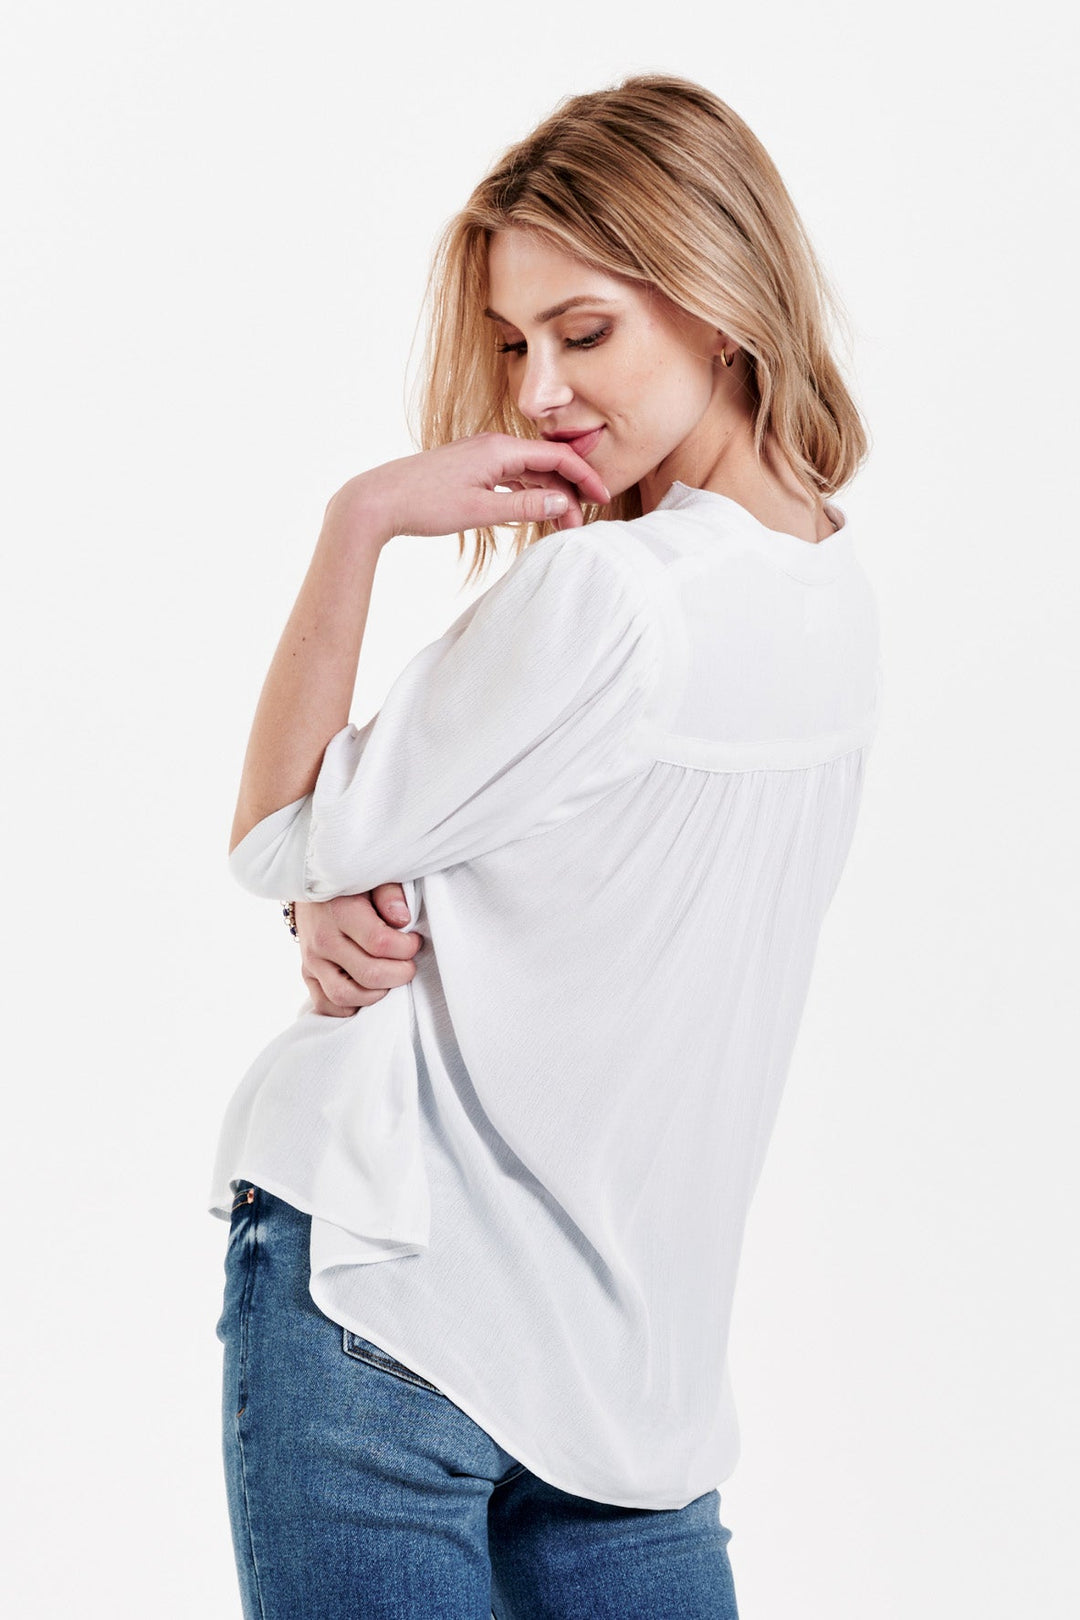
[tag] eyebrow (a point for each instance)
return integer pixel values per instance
(556, 309)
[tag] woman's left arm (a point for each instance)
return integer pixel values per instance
(308, 690)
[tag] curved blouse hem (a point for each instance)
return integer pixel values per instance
(535, 1465)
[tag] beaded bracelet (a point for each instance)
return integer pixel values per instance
(288, 911)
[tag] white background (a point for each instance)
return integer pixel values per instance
(217, 226)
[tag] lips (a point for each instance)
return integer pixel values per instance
(582, 443)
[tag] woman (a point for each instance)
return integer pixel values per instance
(485, 1231)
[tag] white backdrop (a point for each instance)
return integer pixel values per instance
(217, 226)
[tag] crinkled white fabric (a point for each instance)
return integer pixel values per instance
(619, 792)
(326, 1118)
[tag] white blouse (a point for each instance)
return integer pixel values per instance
(619, 792)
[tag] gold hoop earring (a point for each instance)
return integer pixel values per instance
(728, 359)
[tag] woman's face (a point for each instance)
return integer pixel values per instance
(625, 359)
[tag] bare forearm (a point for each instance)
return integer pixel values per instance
(308, 690)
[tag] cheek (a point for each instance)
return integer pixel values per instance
(631, 384)
(681, 390)
(655, 392)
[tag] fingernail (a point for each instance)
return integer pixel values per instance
(553, 504)
(399, 912)
(607, 493)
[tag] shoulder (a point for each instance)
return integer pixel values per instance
(605, 564)
(571, 602)
(572, 572)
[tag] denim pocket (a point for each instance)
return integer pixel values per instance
(363, 1350)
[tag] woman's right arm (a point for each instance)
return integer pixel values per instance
(352, 950)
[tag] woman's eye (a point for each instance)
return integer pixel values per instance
(571, 343)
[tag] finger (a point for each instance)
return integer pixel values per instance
(321, 1003)
(389, 901)
(548, 455)
(571, 514)
(352, 920)
(334, 993)
(348, 970)
(528, 506)
(553, 481)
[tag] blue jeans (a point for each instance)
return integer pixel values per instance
(357, 1489)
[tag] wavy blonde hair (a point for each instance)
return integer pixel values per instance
(658, 181)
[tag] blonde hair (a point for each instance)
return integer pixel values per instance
(658, 181)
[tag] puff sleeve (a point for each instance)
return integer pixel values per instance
(521, 714)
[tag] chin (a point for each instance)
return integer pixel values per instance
(618, 487)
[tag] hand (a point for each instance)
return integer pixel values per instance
(350, 957)
(452, 488)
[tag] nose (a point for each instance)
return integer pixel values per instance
(541, 388)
